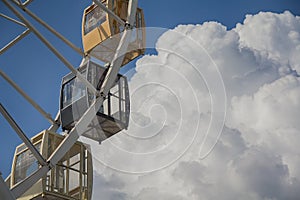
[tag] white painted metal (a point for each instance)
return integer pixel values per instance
(52, 30)
(86, 119)
(26, 3)
(79, 128)
(65, 145)
(132, 6)
(5, 193)
(22, 135)
(120, 52)
(13, 20)
(54, 127)
(14, 41)
(111, 13)
(47, 43)
(27, 183)
(34, 104)
(18, 38)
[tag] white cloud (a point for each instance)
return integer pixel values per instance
(275, 36)
(108, 188)
(273, 107)
(256, 156)
(264, 174)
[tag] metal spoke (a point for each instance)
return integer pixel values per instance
(34, 104)
(54, 50)
(14, 41)
(52, 30)
(111, 13)
(13, 20)
(22, 135)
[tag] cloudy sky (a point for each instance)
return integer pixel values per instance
(214, 108)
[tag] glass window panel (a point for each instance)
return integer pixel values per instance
(74, 159)
(72, 91)
(59, 180)
(93, 19)
(21, 148)
(76, 166)
(105, 107)
(73, 181)
(26, 164)
(94, 74)
(115, 107)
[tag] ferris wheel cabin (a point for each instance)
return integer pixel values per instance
(76, 98)
(101, 33)
(70, 179)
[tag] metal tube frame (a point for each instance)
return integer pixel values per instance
(52, 30)
(13, 20)
(26, 3)
(4, 190)
(53, 49)
(54, 127)
(88, 116)
(35, 105)
(110, 12)
(121, 51)
(14, 41)
(22, 135)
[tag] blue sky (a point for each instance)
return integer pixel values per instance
(34, 68)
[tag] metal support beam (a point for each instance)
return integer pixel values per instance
(14, 41)
(79, 128)
(131, 13)
(88, 116)
(52, 30)
(26, 3)
(22, 135)
(18, 38)
(54, 127)
(13, 20)
(28, 182)
(4, 190)
(62, 149)
(47, 43)
(19, 2)
(35, 105)
(111, 13)
(120, 52)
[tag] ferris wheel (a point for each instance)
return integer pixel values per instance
(94, 101)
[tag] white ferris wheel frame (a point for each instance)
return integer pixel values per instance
(114, 67)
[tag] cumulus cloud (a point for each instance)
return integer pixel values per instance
(277, 37)
(178, 104)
